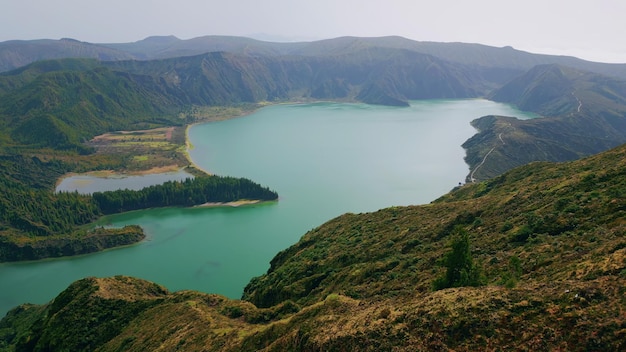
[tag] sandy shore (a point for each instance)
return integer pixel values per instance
(162, 169)
(236, 203)
(188, 147)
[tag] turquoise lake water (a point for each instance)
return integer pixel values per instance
(323, 159)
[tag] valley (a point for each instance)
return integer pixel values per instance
(547, 238)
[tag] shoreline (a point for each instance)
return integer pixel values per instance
(234, 204)
(111, 173)
(189, 146)
(115, 174)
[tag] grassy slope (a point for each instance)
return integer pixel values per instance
(363, 281)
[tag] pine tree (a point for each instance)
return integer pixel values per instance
(460, 268)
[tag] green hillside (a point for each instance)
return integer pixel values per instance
(18, 53)
(548, 241)
(64, 104)
(584, 113)
(375, 75)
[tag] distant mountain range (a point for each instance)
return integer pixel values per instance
(14, 54)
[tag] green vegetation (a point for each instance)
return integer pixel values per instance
(62, 108)
(36, 223)
(16, 247)
(549, 237)
(460, 268)
(192, 191)
(583, 115)
(364, 281)
(28, 206)
(33, 220)
(48, 111)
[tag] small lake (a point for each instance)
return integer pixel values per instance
(323, 159)
(88, 184)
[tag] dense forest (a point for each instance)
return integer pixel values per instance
(190, 192)
(32, 216)
(29, 207)
(43, 213)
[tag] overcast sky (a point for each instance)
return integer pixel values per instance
(590, 29)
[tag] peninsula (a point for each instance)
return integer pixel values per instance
(37, 233)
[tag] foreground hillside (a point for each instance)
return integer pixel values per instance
(548, 240)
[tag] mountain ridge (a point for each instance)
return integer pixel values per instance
(80, 98)
(169, 46)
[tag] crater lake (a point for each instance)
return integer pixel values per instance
(323, 159)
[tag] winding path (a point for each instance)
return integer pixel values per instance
(472, 179)
(580, 103)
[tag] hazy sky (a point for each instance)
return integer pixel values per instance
(590, 29)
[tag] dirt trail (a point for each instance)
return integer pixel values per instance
(472, 179)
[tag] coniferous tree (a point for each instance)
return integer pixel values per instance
(460, 268)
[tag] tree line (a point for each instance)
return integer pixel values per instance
(190, 192)
(40, 212)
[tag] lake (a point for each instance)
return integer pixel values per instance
(323, 159)
(88, 184)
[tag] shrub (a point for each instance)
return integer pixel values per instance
(460, 268)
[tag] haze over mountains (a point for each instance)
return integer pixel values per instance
(14, 54)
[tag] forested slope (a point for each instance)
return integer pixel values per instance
(61, 104)
(36, 224)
